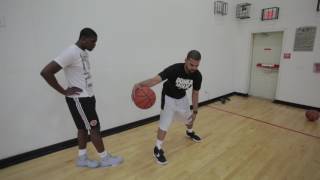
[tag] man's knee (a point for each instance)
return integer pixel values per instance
(95, 131)
(83, 131)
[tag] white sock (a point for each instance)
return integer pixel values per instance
(103, 154)
(190, 130)
(159, 143)
(82, 152)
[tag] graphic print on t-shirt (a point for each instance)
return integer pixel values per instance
(183, 83)
(86, 68)
(177, 81)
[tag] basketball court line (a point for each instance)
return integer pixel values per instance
(260, 121)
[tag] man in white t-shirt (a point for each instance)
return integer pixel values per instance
(80, 97)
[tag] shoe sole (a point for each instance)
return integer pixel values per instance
(85, 166)
(111, 165)
(193, 139)
(161, 163)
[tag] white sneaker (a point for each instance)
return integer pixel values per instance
(110, 160)
(83, 161)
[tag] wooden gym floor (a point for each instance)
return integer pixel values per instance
(244, 139)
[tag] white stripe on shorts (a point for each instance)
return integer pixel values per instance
(82, 114)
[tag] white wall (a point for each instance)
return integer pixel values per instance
(136, 40)
(297, 83)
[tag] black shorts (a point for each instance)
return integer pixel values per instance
(83, 111)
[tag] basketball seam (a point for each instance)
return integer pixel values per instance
(147, 98)
(146, 95)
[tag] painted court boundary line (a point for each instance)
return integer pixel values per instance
(260, 121)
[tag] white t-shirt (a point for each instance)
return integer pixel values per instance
(76, 66)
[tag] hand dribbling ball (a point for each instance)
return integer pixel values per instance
(312, 115)
(144, 97)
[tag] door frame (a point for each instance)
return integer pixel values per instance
(284, 39)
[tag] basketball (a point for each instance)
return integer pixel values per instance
(144, 97)
(312, 115)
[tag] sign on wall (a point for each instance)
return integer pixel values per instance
(270, 13)
(304, 39)
(286, 55)
(316, 67)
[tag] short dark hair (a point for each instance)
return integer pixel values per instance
(194, 54)
(88, 32)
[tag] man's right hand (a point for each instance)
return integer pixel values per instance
(135, 87)
(72, 91)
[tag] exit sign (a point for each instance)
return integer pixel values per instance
(270, 13)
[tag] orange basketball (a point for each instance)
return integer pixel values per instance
(144, 97)
(312, 115)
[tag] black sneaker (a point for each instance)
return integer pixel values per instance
(159, 155)
(193, 136)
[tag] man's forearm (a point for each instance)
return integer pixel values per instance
(150, 82)
(195, 100)
(52, 81)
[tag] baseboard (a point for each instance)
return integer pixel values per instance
(215, 99)
(240, 94)
(132, 125)
(36, 153)
(73, 142)
(69, 143)
(296, 105)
